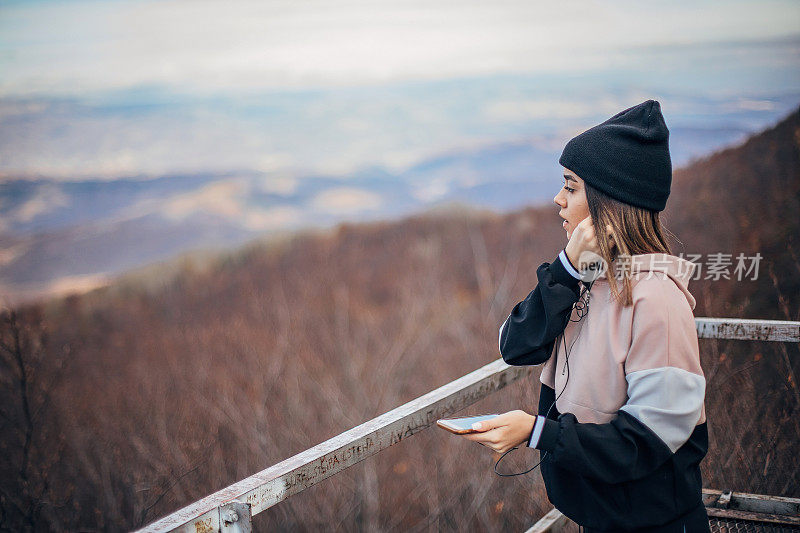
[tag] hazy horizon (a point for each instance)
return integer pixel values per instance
(131, 131)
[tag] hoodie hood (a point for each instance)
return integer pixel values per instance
(679, 270)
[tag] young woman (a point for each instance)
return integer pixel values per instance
(621, 419)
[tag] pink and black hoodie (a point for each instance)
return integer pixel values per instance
(628, 431)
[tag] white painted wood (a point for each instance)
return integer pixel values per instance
(756, 503)
(746, 329)
(552, 522)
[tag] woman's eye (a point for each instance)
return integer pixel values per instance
(569, 189)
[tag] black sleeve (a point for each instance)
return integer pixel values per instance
(528, 334)
(621, 450)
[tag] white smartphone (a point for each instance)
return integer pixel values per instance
(462, 426)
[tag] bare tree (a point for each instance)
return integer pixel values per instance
(30, 442)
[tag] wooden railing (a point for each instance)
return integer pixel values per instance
(232, 508)
(727, 511)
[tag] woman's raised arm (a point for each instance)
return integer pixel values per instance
(528, 334)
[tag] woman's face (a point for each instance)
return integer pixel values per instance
(572, 201)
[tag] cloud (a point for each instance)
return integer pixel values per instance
(431, 191)
(76, 284)
(45, 200)
(273, 162)
(283, 184)
(523, 110)
(227, 199)
(11, 253)
(280, 217)
(70, 47)
(220, 198)
(753, 105)
(346, 200)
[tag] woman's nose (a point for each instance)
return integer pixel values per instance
(558, 200)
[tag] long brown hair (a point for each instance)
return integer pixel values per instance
(636, 230)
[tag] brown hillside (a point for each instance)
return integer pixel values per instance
(745, 200)
(135, 401)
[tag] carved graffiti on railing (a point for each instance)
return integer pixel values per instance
(745, 329)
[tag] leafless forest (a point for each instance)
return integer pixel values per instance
(126, 403)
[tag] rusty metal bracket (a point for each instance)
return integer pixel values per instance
(724, 499)
(235, 517)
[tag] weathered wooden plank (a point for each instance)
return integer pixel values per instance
(755, 503)
(741, 506)
(552, 522)
(751, 516)
(747, 329)
(307, 468)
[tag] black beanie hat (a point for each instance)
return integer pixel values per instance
(626, 157)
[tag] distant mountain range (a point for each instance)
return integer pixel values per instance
(58, 236)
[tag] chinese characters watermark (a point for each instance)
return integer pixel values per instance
(717, 266)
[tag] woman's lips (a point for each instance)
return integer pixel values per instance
(564, 224)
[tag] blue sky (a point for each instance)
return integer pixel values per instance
(196, 46)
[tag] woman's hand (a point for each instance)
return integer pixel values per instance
(584, 239)
(503, 432)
